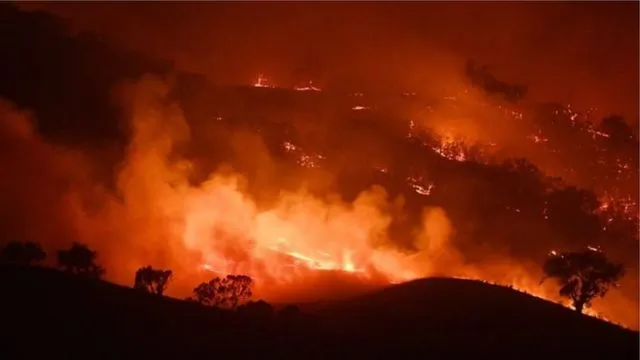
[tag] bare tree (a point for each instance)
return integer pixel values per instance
(20, 253)
(152, 280)
(582, 275)
(224, 292)
(80, 260)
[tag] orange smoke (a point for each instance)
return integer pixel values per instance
(218, 227)
(298, 247)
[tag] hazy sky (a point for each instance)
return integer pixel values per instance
(583, 53)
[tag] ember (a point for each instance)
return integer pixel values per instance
(262, 82)
(197, 166)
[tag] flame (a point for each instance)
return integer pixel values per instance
(254, 242)
(262, 82)
(417, 184)
(289, 146)
(220, 226)
(594, 248)
(303, 159)
(595, 133)
(536, 291)
(308, 87)
(451, 148)
(538, 138)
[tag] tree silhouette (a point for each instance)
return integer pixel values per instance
(582, 275)
(224, 292)
(80, 260)
(19, 253)
(152, 280)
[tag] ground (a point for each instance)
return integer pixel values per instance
(47, 313)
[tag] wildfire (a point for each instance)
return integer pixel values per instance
(595, 133)
(538, 138)
(303, 159)
(412, 129)
(288, 146)
(310, 161)
(417, 185)
(308, 87)
(318, 260)
(262, 82)
(535, 291)
(450, 148)
(300, 238)
(625, 206)
(220, 226)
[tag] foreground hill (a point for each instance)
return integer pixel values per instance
(445, 315)
(47, 313)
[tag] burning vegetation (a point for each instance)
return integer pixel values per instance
(220, 225)
(318, 193)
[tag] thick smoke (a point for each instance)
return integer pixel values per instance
(585, 54)
(298, 246)
(158, 217)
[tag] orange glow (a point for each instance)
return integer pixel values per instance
(596, 133)
(451, 149)
(536, 291)
(219, 226)
(538, 138)
(419, 186)
(308, 87)
(262, 82)
(300, 233)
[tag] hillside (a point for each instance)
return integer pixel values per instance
(461, 170)
(47, 313)
(473, 317)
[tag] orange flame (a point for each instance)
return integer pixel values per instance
(262, 82)
(218, 226)
(308, 87)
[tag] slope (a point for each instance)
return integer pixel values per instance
(48, 313)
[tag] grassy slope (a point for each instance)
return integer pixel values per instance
(64, 316)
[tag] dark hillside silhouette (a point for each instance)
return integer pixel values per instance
(557, 180)
(486, 318)
(432, 318)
